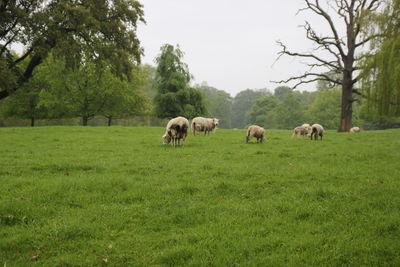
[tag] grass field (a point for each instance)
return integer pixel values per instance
(82, 196)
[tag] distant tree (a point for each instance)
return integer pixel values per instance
(219, 104)
(263, 112)
(325, 108)
(77, 31)
(149, 73)
(381, 70)
(289, 113)
(342, 51)
(125, 98)
(242, 104)
(25, 104)
(88, 91)
(174, 96)
(281, 91)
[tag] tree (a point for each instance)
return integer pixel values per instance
(125, 98)
(324, 108)
(174, 96)
(342, 51)
(263, 112)
(88, 91)
(77, 31)
(289, 112)
(25, 104)
(219, 104)
(242, 104)
(381, 70)
(281, 91)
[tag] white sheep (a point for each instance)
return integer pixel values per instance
(355, 130)
(317, 130)
(308, 127)
(255, 131)
(300, 130)
(206, 125)
(177, 129)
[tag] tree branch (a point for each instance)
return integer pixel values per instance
(293, 54)
(318, 77)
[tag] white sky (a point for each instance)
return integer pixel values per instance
(230, 44)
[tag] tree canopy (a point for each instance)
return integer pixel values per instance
(381, 70)
(340, 53)
(96, 30)
(174, 96)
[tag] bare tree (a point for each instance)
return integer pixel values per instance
(341, 50)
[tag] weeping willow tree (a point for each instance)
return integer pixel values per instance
(381, 70)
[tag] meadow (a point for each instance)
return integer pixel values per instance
(93, 196)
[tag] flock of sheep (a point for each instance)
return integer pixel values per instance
(178, 129)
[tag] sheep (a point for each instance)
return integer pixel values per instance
(257, 132)
(355, 130)
(316, 130)
(177, 129)
(300, 130)
(308, 127)
(206, 125)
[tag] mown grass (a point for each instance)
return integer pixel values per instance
(81, 196)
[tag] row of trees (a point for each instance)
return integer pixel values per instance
(56, 91)
(83, 60)
(283, 108)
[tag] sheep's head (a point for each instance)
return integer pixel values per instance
(166, 139)
(216, 122)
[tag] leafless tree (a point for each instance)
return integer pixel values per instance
(342, 57)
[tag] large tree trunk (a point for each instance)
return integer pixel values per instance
(347, 103)
(109, 120)
(32, 121)
(85, 120)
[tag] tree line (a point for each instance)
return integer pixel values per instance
(83, 60)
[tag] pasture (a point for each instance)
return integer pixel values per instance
(92, 196)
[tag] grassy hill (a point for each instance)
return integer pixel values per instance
(115, 196)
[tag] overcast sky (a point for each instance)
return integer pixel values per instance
(230, 44)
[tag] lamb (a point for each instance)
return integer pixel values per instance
(355, 130)
(317, 129)
(300, 130)
(177, 129)
(206, 125)
(257, 132)
(308, 127)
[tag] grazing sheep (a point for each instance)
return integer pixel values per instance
(308, 127)
(316, 130)
(206, 125)
(257, 132)
(355, 130)
(300, 130)
(177, 129)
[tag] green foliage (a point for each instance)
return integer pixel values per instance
(281, 91)
(325, 108)
(219, 104)
(25, 103)
(88, 91)
(74, 196)
(242, 104)
(263, 112)
(381, 70)
(77, 31)
(383, 89)
(289, 112)
(174, 96)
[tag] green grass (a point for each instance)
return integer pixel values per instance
(82, 196)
